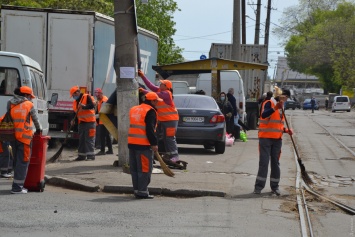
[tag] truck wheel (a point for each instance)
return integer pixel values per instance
(252, 121)
(220, 147)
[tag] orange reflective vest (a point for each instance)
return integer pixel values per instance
(273, 126)
(99, 103)
(22, 119)
(84, 115)
(137, 134)
(167, 112)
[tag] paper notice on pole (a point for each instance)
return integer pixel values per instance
(127, 72)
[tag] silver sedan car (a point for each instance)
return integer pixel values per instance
(201, 122)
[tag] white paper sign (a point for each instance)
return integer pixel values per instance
(127, 72)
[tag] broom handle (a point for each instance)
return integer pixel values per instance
(288, 127)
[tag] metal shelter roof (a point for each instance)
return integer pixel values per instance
(205, 66)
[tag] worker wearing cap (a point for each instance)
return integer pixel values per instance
(83, 106)
(24, 116)
(271, 129)
(104, 135)
(168, 116)
(142, 142)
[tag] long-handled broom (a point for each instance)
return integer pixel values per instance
(165, 168)
(55, 157)
(304, 173)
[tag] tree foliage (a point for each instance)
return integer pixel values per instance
(156, 16)
(320, 41)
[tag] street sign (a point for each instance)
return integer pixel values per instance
(203, 57)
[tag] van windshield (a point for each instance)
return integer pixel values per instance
(342, 99)
(9, 80)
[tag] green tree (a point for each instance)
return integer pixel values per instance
(322, 44)
(157, 16)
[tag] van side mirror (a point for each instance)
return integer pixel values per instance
(54, 99)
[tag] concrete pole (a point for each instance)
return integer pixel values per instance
(236, 31)
(244, 31)
(266, 39)
(257, 22)
(125, 67)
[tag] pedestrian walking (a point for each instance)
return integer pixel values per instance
(271, 129)
(142, 143)
(233, 101)
(24, 116)
(168, 116)
(83, 106)
(326, 103)
(313, 104)
(105, 138)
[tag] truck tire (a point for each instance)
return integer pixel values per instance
(220, 147)
(252, 121)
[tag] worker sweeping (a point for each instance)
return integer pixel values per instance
(271, 129)
(142, 142)
(83, 105)
(24, 116)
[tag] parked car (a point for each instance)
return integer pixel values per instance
(341, 103)
(290, 104)
(307, 104)
(201, 122)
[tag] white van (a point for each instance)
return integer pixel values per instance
(180, 87)
(341, 103)
(229, 79)
(18, 70)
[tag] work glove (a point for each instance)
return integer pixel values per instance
(140, 89)
(289, 131)
(140, 73)
(38, 131)
(279, 105)
(229, 115)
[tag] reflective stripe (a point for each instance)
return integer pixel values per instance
(18, 120)
(269, 130)
(136, 126)
(19, 181)
(266, 121)
(274, 180)
(261, 178)
(167, 113)
(137, 135)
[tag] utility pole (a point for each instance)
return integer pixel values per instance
(125, 66)
(236, 31)
(257, 22)
(244, 31)
(266, 39)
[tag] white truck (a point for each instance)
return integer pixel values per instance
(229, 79)
(18, 70)
(72, 48)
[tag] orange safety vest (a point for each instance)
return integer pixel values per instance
(99, 103)
(22, 119)
(273, 126)
(137, 134)
(84, 115)
(167, 112)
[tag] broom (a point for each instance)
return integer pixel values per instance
(304, 174)
(165, 168)
(55, 157)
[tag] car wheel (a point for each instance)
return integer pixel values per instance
(333, 111)
(220, 147)
(293, 108)
(208, 147)
(348, 110)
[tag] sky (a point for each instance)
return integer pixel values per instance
(202, 22)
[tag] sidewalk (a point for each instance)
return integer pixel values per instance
(207, 173)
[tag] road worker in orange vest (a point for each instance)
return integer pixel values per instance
(24, 116)
(142, 142)
(104, 135)
(84, 106)
(271, 129)
(168, 116)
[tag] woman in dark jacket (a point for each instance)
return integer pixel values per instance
(227, 109)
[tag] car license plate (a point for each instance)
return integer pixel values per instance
(52, 125)
(193, 119)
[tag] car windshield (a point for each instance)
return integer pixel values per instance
(195, 102)
(307, 101)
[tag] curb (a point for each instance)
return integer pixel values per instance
(81, 185)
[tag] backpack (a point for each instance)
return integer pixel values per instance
(7, 128)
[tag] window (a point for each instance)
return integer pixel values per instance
(9, 81)
(342, 99)
(39, 85)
